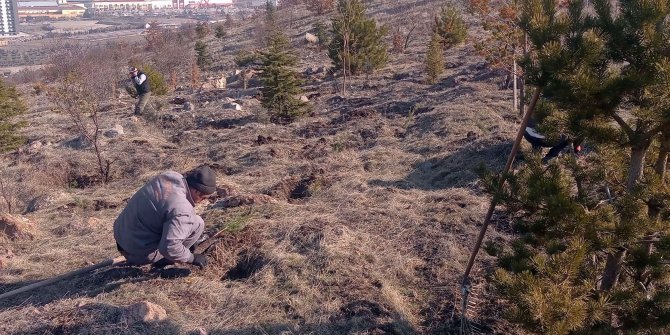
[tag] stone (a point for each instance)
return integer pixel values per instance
(311, 38)
(39, 203)
(16, 227)
(145, 312)
(78, 142)
(35, 145)
(207, 86)
(93, 222)
(304, 98)
(188, 106)
(200, 331)
(233, 105)
(114, 132)
(220, 83)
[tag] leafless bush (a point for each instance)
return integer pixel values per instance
(173, 54)
(26, 76)
(81, 95)
(8, 194)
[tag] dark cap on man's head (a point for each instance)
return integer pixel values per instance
(202, 179)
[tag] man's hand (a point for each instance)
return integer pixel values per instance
(199, 260)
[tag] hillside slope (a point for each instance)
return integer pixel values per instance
(357, 219)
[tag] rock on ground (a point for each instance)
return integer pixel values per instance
(145, 312)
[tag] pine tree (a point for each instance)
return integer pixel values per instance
(220, 31)
(11, 106)
(203, 58)
(321, 33)
(450, 27)
(281, 84)
(202, 29)
(434, 59)
(588, 261)
(357, 42)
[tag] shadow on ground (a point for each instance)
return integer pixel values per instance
(458, 169)
(356, 317)
(90, 285)
(99, 318)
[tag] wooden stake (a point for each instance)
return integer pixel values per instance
(494, 201)
(105, 263)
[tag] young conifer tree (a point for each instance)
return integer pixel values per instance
(434, 59)
(449, 25)
(11, 106)
(593, 242)
(203, 58)
(281, 84)
(357, 43)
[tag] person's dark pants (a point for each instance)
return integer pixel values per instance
(539, 143)
(142, 101)
(155, 257)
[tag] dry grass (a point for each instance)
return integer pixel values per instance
(375, 243)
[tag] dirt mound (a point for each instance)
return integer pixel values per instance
(16, 227)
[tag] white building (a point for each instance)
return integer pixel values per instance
(8, 17)
(253, 3)
(131, 4)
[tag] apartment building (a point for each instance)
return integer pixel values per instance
(8, 18)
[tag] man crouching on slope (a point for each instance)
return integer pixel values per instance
(159, 223)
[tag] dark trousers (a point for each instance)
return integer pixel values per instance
(539, 143)
(142, 101)
(155, 256)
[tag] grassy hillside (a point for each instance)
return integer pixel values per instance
(357, 219)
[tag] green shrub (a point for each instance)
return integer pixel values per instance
(246, 57)
(434, 59)
(357, 44)
(450, 27)
(156, 81)
(10, 107)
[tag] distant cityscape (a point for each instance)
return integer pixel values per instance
(13, 11)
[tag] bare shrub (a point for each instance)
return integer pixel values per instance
(320, 7)
(173, 55)
(81, 96)
(26, 76)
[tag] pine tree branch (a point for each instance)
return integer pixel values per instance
(626, 128)
(648, 135)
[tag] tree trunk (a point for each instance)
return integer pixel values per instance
(522, 84)
(516, 93)
(613, 269)
(662, 160)
(636, 169)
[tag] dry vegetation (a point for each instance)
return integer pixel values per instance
(373, 203)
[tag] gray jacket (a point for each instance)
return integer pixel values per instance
(160, 216)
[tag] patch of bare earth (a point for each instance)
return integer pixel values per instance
(358, 219)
